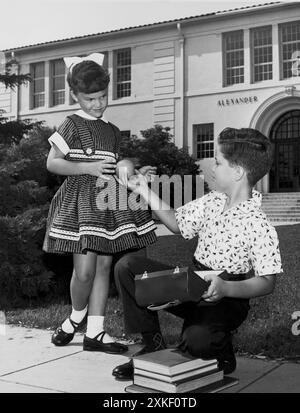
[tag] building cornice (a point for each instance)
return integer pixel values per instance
(214, 16)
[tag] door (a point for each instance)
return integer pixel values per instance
(285, 171)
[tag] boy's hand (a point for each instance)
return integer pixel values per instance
(137, 183)
(104, 169)
(147, 171)
(216, 289)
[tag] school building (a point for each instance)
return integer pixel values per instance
(196, 75)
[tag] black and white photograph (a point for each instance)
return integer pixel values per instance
(149, 200)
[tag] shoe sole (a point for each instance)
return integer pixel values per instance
(91, 348)
(123, 378)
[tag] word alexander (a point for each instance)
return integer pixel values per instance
(237, 101)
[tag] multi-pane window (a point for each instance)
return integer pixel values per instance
(204, 140)
(37, 84)
(261, 41)
(233, 57)
(57, 70)
(122, 73)
(290, 49)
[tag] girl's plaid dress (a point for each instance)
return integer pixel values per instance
(88, 213)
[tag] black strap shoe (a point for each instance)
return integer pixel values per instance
(126, 371)
(61, 338)
(96, 344)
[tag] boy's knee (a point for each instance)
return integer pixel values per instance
(123, 266)
(198, 341)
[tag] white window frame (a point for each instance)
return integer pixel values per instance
(226, 53)
(295, 57)
(51, 90)
(207, 145)
(33, 94)
(117, 67)
(261, 48)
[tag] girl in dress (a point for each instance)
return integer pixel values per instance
(85, 149)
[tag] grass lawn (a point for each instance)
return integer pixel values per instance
(267, 331)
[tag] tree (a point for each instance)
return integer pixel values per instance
(157, 149)
(13, 131)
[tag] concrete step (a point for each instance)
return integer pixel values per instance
(281, 206)
(293, 207)
(281, 202)
(281, 212)
(290, 199)
(281, 198)
(283, 218)
(270, 194)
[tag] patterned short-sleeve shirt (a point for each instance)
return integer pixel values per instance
(237, 240)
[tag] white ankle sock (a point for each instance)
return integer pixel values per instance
(95, 325)
(77, 317)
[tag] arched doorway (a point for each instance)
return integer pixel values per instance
(278, 117)
(285, 135)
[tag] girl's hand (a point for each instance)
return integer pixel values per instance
(148, 172)
(101, 169)
(216, 290)
(138, 183)
(125, 169)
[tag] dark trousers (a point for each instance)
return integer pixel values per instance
(206, 330)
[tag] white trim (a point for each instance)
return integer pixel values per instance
(111, 235)
(97, 152)
(59, 142)
(100, 157)
(79, 153)
(85, 115)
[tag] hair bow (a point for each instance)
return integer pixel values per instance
(94, 57)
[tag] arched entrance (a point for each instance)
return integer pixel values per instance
(285, 135)
(278, 117)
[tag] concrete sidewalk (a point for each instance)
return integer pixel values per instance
(29, 363)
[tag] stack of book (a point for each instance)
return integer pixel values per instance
(171, 371)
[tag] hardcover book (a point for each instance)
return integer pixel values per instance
(170, 362)
(176, 377)
(181, 386)
(218, 386)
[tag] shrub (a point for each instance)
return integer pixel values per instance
(23, 275)
(17, 198)
(157, 149)
(27, 160)
(26, 189)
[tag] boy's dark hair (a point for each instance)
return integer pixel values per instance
(248, 148)
(88, 77)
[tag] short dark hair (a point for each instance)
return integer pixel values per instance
(248, 148)
(88, 77)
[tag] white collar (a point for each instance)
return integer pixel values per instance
(250, 205)
(84, 115)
